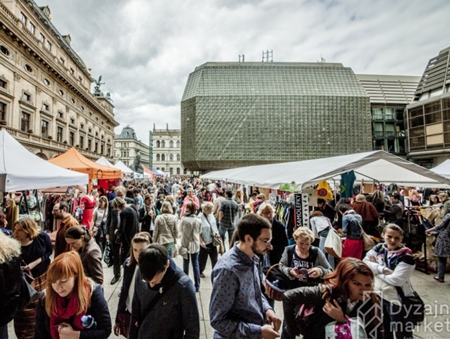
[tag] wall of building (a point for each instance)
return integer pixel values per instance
(45, 98)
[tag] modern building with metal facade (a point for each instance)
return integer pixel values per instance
(247, 113)
(389, 95)
(429, 114)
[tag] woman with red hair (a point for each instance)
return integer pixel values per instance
(68, 298)
(346, 293)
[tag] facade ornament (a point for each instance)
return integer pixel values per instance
(17, 76)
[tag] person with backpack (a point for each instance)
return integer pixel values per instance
(345, 295)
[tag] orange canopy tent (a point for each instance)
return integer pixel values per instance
(75, 161)
(146, 170)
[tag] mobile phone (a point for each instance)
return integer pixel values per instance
(302, 271)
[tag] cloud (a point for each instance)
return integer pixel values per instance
(145, 49)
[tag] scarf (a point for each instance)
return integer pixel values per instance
(66, 311)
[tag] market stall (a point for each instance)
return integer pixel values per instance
(442, 169)
(75, 161)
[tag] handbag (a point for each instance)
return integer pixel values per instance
(413, 307)
(367, 240)
(275, 282)
(107, 257)
(333, 243)
(27, 292)
(353, 328)
(124, 319)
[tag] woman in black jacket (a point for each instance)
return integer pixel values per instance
(10, 279)
(347, 292)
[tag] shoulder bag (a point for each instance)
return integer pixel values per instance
(333, 243)
(413, 307)
(367, 240)
(216, 240)
(27, 292)
(135, 327)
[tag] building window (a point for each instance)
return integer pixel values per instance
(26, 96)
(96, 134)
(90, 130)
(31, 27)
(48, 45)
(72, 71)
(45, 107)
(72, 138)
(158, 144)
(62, 61)
(60, 115)
(72, 121)
(163, 144)
(102, 148)
(80, 79)
(163, 169)
(81, 126)
(178, 157)
(89, 144)
(47, 82)
(109, 152)
(44, 128)
(82, 108)
(81, 141)
(163, 157)
(23, 18)
(59, 134)
(185, 171)
(28, 68)
(171, 171)
(178, 143)
(25, 122)
(171, 144)
(3, 83)
(178, 170)
(61, 92)
(158, 157)
(4, 50)
(41, 38)
(2, 111)
(96, 147)
(171, 157)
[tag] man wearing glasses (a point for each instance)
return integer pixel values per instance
(238, 307)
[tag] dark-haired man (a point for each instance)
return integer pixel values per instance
(235, 277)
(175, 315)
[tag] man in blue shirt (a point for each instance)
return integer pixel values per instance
(238, 307)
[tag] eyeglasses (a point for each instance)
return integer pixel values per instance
(265, 241)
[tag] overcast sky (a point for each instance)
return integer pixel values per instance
(145, 49)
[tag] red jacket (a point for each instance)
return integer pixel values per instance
(366, 210)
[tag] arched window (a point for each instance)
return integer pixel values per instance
(158, 157)
(185, 171)
(163, 144)
(178, 157)
(163, 169)
(163, 157)
(171, 157)
(171, 144)
(157, 168)
(178, 143)
(158, 145)
(178, 170)
(171, 171)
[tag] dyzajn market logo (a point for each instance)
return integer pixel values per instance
(427, 319)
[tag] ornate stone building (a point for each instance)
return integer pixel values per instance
(45, 87)
(166, 151)
(127, 147)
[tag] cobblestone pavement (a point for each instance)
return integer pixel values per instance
(435, 295)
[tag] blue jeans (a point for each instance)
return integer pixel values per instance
(230, 231)
(4, 332)
(195, 267)
(442, 267)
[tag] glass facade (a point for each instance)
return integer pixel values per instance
(238, 114)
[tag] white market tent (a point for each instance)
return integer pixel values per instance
(124, 168)
(442, 169)
(22, 170)
(380, 166)
(103, 161)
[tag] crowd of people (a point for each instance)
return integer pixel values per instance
(138, 228)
